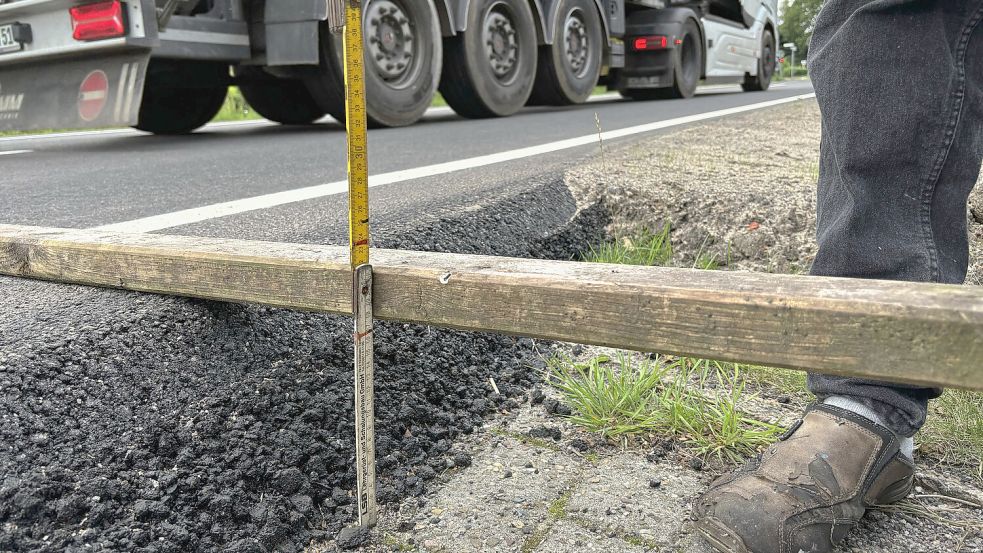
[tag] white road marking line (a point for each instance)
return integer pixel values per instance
(223, 209)
(13, 152)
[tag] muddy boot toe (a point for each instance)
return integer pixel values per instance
(806, 492)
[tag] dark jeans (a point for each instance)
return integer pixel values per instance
(900, 87)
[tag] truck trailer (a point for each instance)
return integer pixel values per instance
(165, 66)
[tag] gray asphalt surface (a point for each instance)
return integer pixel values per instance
(97, 179)
(131, 422)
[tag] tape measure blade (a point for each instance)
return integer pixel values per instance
(356, 121)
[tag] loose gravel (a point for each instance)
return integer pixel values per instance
(132, 422)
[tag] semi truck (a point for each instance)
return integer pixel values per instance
(165, 66)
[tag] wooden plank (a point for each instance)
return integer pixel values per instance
(903, 332)
(283, 275)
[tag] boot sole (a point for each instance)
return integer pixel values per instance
(896, 492)
(720, 537)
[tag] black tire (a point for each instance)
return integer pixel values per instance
(687, 68)
(568, 69)
(286, 101)
(470, 83)
(689, 62)
(396, 95)
(181, 96)
(766, 66)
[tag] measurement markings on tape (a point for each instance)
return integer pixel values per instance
(358, 162)
(358, 232)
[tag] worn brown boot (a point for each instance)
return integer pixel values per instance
(805, 493)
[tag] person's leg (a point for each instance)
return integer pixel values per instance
(899, 84)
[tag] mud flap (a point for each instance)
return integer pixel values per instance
(95, 92)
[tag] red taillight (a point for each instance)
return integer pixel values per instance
(651, 43)
(98, 21)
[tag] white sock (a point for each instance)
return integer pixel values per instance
(843, 402)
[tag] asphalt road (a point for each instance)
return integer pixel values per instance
(91, 179)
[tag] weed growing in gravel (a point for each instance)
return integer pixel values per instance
(690, 399)
(954, 430)
(645, 249)
(784, 381)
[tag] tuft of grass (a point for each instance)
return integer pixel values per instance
(557, 510)
(915, 507)
(693, 400)
(785, 381)
(647, 248)
(954, 430)
(706, 262)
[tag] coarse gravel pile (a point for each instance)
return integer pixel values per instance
(133, 422)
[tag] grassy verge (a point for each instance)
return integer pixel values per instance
(954, 431)
(673, 398)
(783, 381)
(693, 400)
(235, 108)
(646, 248)
(50, 131)
(655, 248)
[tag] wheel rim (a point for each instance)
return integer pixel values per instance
(392, 46)
(768, 68)
(576, 43)
(501, 43)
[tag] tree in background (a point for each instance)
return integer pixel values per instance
(798, 18)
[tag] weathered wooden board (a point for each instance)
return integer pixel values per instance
(904, 332)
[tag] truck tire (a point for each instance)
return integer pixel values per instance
(489, 70)
(171, 106)
(686, 68)
(569, 68)
(286, 101)
(766, 66)
(404, 56)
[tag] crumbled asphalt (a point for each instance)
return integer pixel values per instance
(133, 422)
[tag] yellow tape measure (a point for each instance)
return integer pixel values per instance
(358, 152)
(358, 233)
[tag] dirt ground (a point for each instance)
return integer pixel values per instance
(538, 484)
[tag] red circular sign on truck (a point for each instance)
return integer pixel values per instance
(93, 95)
